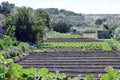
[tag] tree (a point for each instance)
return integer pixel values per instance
(39, 26)
(100, 21)
(23, 24)
(6, 7)
(62, 26)
(111, 25)
(117, 33)
(28, 25)
(46, 17)
(9, 28)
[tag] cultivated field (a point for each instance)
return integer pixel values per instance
(74, 62)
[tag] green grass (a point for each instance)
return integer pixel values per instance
(65, 35)
(104, 46)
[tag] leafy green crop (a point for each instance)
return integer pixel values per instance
(104, 46)
(113, 43)
(65, 35)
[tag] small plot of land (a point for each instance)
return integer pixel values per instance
(92, 59)
(76, 43)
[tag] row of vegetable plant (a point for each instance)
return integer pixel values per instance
(113, 43)
(65, 35)
(104, 46)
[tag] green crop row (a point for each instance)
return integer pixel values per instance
(104, 46)
(113, 43)
(65, 35)
(11, 71)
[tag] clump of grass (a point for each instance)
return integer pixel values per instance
(45, 50)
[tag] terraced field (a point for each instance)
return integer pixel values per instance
(73, 63)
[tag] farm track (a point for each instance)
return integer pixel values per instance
(73, 63)
(72, 40)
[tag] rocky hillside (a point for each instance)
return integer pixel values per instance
(76, 19)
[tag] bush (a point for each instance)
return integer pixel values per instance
(112, 26)
(7, 43)
(89, 31)
(16, 51)
(25, 47)
(117, 34)
(62, 26)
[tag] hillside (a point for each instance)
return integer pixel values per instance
(76, 19)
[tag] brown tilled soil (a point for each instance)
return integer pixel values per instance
(72, 40)
(73, 63)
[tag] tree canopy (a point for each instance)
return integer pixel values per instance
(27, 25)
(6, 7)
(62, 26)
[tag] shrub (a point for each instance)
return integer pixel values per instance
(7, 43)
(89, 31)
(62, 26)
(25, 47)
(117, 34)
(16, 51)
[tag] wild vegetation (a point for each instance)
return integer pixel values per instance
(64, 15)
(10, 48)
(27, 25)
(62, 26)
(11, 71)
(6, 7)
